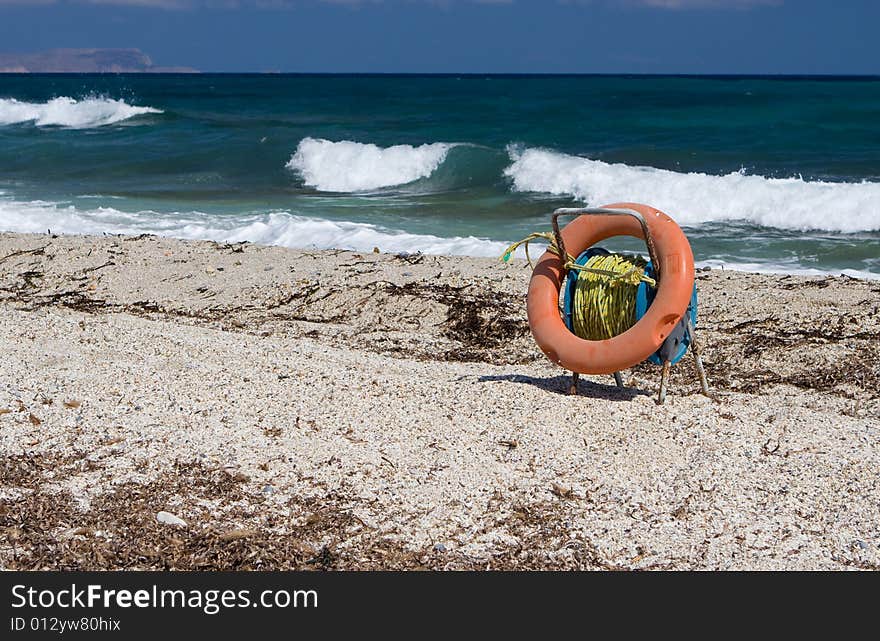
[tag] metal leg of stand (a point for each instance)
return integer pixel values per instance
(618, 379)
(664, 381)
(698, 361)
(573, 390)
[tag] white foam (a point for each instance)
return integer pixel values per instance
(274, 228)
(347, 166)
(693, 198)
(289, 230)
(784, 268)
(67, 112)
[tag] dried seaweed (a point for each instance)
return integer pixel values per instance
(45, 529)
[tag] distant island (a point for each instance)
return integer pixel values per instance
(84, 61)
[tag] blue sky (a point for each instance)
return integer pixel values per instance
(505, 36)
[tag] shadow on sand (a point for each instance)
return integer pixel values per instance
(561, 385)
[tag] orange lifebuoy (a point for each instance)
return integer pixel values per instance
(674, 292)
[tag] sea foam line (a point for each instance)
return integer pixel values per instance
(693, 198)
(290, 230)
(271, 228)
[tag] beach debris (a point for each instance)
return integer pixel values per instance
(411, 258)
(770, 447)
(34, 420)
(234, 473)
(5, 410)
(562, 491)
(37, 251)
(170, 519)
(236, 534)
(274, 431)
(376, 250)
(439, 547)
(509, 443)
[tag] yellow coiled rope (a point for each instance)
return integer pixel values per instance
(604, 301)
(604, 306)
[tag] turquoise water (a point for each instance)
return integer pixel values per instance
(777, 174)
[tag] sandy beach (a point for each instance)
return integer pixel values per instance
(343, 410)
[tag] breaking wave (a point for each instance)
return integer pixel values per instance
(347, 166)
(68, 112)
(693, 198)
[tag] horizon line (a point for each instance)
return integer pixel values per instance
(448, 74)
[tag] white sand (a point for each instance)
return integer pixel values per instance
(333, 382)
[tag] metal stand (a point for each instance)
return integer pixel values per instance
(698, 360)
(652, 252)
(573, 389)
(664, 381)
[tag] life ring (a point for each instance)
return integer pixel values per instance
(633, 346)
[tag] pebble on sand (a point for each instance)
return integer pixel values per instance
(170, 519)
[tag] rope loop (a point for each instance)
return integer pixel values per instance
(635, 275)
(604, 300)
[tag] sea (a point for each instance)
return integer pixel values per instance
(769, 174)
